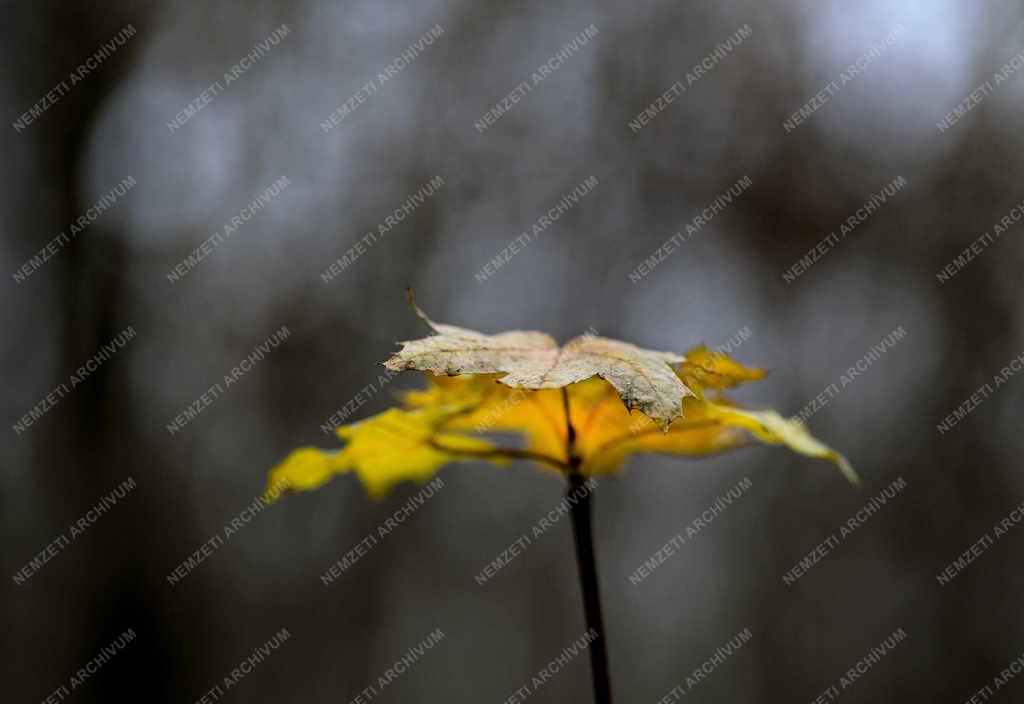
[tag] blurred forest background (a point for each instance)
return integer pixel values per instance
(345, 181)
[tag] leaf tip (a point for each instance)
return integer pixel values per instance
(848, 471)
(277, 485)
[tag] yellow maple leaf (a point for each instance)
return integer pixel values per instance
(704, 369)
(583, 408)
(772, 428)
(390, 447)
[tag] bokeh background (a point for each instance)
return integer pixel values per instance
(344, 182)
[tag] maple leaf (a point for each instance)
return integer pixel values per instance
(704, 369)
(606, 432)
(533, 360)
(522, 382)
(390, 447)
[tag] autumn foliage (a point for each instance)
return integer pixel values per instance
(619, 400)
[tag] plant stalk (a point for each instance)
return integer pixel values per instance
(578, 496)
(583, 533)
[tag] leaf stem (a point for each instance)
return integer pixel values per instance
(510, 453)
(578, 496)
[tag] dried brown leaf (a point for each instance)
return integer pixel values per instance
(643, 378)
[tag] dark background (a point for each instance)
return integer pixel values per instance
(499, 182)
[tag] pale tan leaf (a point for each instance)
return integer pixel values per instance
(643, 378)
